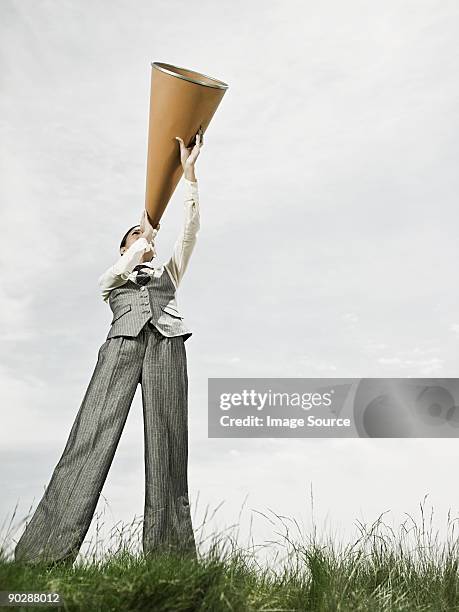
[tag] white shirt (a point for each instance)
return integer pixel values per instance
(118, 274)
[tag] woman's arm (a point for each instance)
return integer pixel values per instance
(118, 274)
(184, 245)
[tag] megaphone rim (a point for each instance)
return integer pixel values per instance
(163, 67)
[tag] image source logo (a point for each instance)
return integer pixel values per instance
(333, 407)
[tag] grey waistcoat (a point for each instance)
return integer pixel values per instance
(134, 305)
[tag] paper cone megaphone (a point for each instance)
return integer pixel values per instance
(182, 102)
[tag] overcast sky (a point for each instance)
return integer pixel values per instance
(328, 186)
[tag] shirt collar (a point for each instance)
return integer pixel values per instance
(151, 265)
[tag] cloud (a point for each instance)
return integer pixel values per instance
(427, 367)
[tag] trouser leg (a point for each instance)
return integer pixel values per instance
(167, 517)
(63, 516)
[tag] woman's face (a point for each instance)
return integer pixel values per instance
(133, 235)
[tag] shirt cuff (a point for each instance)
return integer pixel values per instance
(128, 260)
(140, 243)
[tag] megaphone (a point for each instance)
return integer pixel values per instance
(182, 103)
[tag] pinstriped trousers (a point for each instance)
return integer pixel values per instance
(63, 516)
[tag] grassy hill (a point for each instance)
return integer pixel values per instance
(411, 570)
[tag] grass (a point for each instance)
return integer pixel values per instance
(408, 569)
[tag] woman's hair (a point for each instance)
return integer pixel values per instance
(123, 241)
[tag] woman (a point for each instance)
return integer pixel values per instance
(145, 345)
